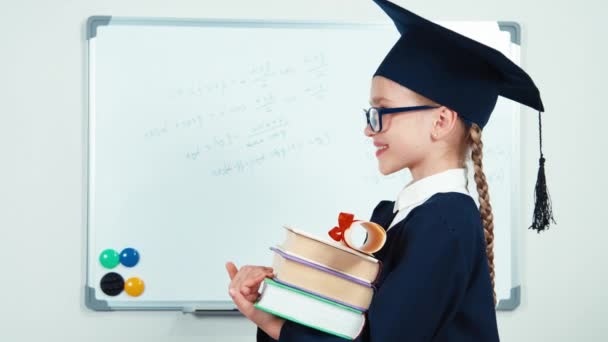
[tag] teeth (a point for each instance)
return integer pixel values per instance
(382, 147)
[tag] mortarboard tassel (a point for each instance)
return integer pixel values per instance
(543, 213)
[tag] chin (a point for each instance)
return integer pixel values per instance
(388, 169)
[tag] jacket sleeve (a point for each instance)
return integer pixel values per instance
(426, 282)
(261, 336)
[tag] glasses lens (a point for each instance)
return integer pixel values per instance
(374, 119)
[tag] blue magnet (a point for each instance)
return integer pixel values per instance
(129, 257)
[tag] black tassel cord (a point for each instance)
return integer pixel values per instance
(543, 213)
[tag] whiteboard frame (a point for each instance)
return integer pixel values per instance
(227, 308)
(511, 303)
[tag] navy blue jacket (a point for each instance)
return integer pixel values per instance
(434, 284)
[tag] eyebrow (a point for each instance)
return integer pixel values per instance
(377, 100)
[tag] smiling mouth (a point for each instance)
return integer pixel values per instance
(380, 149)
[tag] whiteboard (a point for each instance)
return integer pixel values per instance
(206, 136)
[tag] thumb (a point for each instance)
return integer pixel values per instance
(232, 270)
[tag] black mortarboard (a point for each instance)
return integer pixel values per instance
(462, 74)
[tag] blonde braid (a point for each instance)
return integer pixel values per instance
(484, 198)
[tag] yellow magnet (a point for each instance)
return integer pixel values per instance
(134, 286)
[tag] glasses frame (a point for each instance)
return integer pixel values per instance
(383, 111)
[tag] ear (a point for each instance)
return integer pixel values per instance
(444, 123)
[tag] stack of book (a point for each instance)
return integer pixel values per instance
(320, 283)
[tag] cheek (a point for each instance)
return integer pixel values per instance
(410, 149)
(409, 136)
(407, 145)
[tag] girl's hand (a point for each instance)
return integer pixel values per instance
(243, 289)
(248, 279)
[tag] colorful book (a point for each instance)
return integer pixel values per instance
(308, 309)
(321, 280)
(331, 254)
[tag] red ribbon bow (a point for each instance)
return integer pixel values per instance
(345, 220)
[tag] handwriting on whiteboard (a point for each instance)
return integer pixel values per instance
(284, 151)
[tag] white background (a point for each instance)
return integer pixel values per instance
(42, 92)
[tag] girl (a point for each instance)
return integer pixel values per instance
(430, 97)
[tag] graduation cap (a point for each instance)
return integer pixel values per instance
(464, 75)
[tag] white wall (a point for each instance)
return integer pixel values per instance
(42, 91)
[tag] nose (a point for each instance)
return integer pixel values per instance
(368, 131)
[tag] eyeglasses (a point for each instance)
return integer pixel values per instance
(374, 114)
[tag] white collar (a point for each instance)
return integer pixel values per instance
(415, 193)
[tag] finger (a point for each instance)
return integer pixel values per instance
(250, 291)
(244, 306)
(238, 279)
(232, 270)
(254, 281)
(252, 297)
(252, 284)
